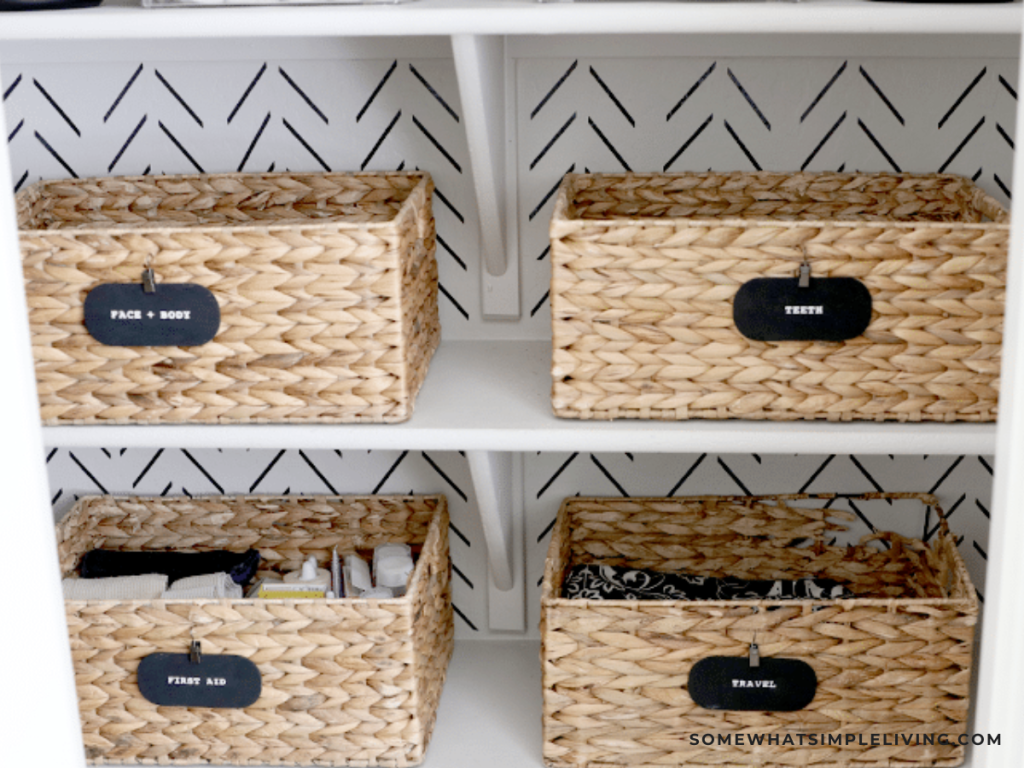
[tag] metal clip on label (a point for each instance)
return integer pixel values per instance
(194, 652)
(805, 275)
(755, 656)
(148, 280)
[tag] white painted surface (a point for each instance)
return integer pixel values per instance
(40, 712)
(125, 18)
(495, 396)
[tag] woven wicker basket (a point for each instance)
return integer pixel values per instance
(645, 267)
(326, 282)
(894, 660)
(346, 682)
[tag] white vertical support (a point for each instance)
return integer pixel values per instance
(40, 721)
(498, 485)
(1000, 703)
(480, 65)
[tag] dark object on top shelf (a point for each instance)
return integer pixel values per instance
(46, 5)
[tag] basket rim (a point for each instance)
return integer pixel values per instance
(566, 190)
(406, 206)
(416, 578)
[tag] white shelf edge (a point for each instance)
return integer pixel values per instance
(127, 19)
(495, 396)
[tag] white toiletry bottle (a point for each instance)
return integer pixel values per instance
(310, 576)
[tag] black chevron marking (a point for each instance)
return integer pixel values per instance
(732, 474)
(451, 298)
(14, 133)
(179, 146)
(436, 143)
(401, 166)
(556, 86)
(206, 474)
(608, 144)
(88, 474)
(977, 175)
(14, 85)
(462, 616)
(882, 96)
(22, 180)
(558, 472)
(863, 517)
(983, 509)
(547, 529)
(252, 144)
(608, 474)
(380, 140)
(51, 454)
(551, 192)
(687, 474)
(544, 253)
(369, 101)
(841, 168)
(821, 143)
(946, 474)
(962, 144)
(148, 467)
(867, 475)
(121, 95)
(1005, 135)
(690, 92)
(612, 96)
(166, 490)
(985, 464)
(462, 576)
(878, 146)
(929, 532)
(688, 142)
(248, 90)
(750, 101)
(539, 304)
(305, 144)
(127, 143)
(448, 205)
(817, 472)
(980, 551)
(556, 137)
(962, 96)
(56, 106)
(742, 146)
(434, 93)
(146, 172)
(318, 473)
(105, 452)
(1007, 86)
(56, 156)
(460, 534)
(824, 90)
(391, 469)
(303, 94)
(56, 496)
(1002, 186)
(454, 255)
(444, 476)
(263, 474)
(178, 97)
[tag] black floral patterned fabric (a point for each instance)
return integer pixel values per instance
(612, 582)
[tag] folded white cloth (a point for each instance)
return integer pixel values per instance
(209, 585)
(147, 586)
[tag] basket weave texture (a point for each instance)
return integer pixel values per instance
(894, 660)
(645, 267)
(327, 286)
(346, 682)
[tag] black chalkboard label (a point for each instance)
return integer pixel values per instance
(175, 680)
(174, 315)
(778, 309)
(729, 682)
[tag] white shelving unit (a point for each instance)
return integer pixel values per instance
(489, 399)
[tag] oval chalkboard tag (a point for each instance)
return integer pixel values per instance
(778, 309)
(174, 315)
(729, 682)
(175, 680)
